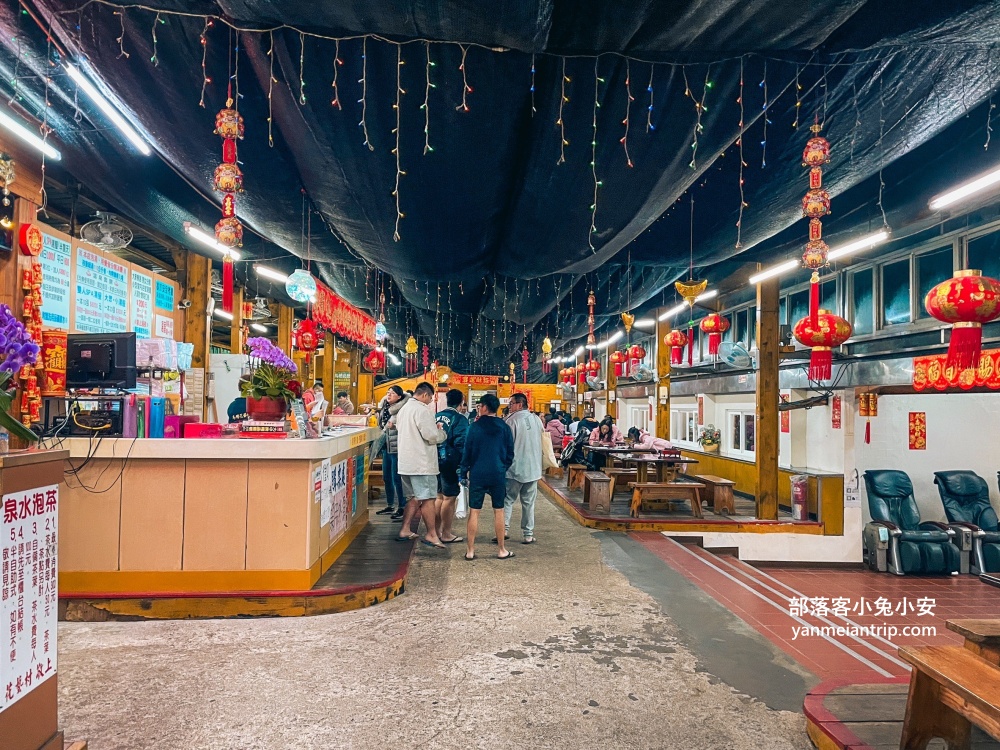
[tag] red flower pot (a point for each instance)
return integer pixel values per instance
(266, 409)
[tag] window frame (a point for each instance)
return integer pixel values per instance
(684, 412)
(729, 449)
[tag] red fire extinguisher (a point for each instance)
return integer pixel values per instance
(800, 497)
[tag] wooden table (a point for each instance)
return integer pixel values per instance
(982, 637)
(664, 466)
(612, 453)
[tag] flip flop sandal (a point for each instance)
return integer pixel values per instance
(470, 559)
(509, 555)
(431, 544)
(456, 540)
(529, 540)
(494, 539)
(384, 512)
(405, 538)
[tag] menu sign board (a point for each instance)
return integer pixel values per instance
(28, 591)
(140, 310)
(164, 295)
(101, 293)
(56, 267)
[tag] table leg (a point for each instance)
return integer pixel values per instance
(641, 472)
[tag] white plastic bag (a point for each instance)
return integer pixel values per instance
(462, 504)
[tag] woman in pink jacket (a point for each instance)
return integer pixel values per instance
(556, 430)
(607, 433)
(645, 441)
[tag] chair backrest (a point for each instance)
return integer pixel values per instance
(890, 498)
(966, 497)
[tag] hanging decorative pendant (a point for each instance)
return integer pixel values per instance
(714, 325)
(967, 300)
(830, 331)
(815, 205)
(301, 286)
(524, 363)
(676, 340)
(547, 355)
(411, 356)
(690, 290)
(228, 179)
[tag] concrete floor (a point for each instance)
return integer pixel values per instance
(553, 649)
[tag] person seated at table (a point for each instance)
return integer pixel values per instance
(644, 441)
(607, 433)
(556, 429)
(588, 422)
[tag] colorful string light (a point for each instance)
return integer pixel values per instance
(205, 80)
(302, 68)
(798, 97)
(628, 109)
(649, 109)
(763, 143)
(427, 98)
(363, 101)
(121, 39)
(466, 88)
(593, 155)
(739, 143)
(271, 80)
(395, 151)
(563, 143)
(337, 62)
(533, 84)
(154, 59)
(699, 108)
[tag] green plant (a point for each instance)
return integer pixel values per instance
(272, 371)
(709, 436)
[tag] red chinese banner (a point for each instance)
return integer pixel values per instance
(785, 416)
(475, 379)
(933, 372)
(918, 430)
(342, 318)
(837, 412)
(701, 410)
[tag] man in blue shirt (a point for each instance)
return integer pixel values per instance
(489, 452)
(456, 427)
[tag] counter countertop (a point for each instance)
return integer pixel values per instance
(238, 449)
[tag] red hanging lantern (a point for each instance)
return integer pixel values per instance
(967, 300)
(635, 355)
(593, 368)
(815, 205)
(228, 179)
(562, 375)
(676, 340)
(591, 304)
(617, 358)
(524, 364)
(425, 356)
(374, 361)
(714, 325)
(306, 338)
(830, 331)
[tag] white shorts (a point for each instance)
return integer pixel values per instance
(419, 486)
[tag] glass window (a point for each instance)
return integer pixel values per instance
(783, 311)
(862, 316)
(692, 426)
(752, 327)
(730, 332)
(736, 430)
(984, 255)
(682, 425)
(932, 268)
(749, 434)
(828, 297)
(741, 326)
(798, 307)
(896, 292)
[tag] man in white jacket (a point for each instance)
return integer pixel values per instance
(418, 436)
(524, 473)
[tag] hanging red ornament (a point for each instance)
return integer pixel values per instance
(714, 325)
(374, 361)
(591, 304)
(547, 355)
(581, 373)
(425, 356)
(306, 338)
(411, 356)
(967, 300)
(593, 368)
(830, 331)
(817, 150)
(228, 179)
(617, 358)
(815, 205)
(676, 340)
(524, 363)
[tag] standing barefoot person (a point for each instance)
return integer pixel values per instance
(419, 437)
(489, 452)
(456, 426)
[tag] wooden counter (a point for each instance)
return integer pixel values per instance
(205, 516)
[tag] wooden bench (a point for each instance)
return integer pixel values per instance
(597, 491)
(576, 472)
(719, 492)
(670, 491)
(620, 478)
(555, 471)
(982, 637)
(950, 689)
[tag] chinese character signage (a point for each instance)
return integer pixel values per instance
(164, 296)
(326, 497)
(55, 260)
(477, 380)
(28, 591)
(101, 293)
(918, 430)
(343, 319)
(836, 412)
(933, 372)
(142, 303)
(339, 493)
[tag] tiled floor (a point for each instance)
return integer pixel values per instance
(768, 600)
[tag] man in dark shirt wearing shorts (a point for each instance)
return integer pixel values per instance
(489, 452)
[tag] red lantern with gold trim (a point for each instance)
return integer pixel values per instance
(827, 332)
(714, 325)
(374, 361)
(593, 368)
(967, 300)
(617, 358)
(676, 340)
(306, 338)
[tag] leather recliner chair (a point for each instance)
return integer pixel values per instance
(966, 500)
(914, 546)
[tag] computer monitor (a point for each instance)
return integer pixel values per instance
(100, 360)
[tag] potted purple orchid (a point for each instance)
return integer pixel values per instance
(267, 391)
(17, 350)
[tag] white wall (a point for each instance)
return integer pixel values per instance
(962, 434)
(626, 416)
(226, 368)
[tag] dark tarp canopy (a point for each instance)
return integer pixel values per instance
(501, 237)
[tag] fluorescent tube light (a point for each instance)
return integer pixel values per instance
(108, 109)
(28, 137)
(220, 313)
(394, 359)
(644, 322)
(683, 305)
(579, 352)
(862, 244)
(778, 270)
(259, 327)
(964, 191)
(270, 273)
(209, 241)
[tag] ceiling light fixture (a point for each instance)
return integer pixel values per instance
(394, 359)
(270, 273)
(644, 323)
(259, 327)
(28, 137)
(778, 270)
(683, 305)
(108, 109)
(209, 241)
(964, 191)
(579, 352)
(220, 313)
(844, 250)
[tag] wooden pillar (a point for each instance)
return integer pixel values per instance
(355, 375)
(329, 367)
(611, 381)
(767, 400)
(286, 319)
(236, 327)
(197, 282)
(663, 328)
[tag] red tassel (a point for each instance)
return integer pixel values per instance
(714, 339)
(821, 363)
(691, 346)
(814, 304)
(868, 432)
(966, 346)
(227, 283)
(677, 355)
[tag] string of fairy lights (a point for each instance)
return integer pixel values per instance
(700, 104)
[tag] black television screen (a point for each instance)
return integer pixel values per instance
(100, 360)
